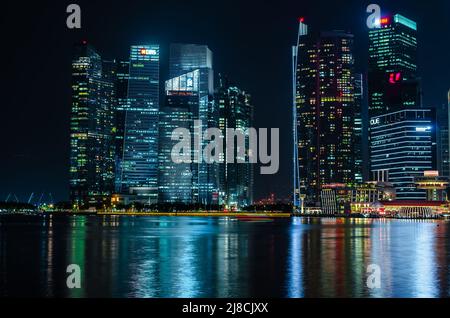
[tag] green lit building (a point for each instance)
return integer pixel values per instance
(91, 128)
(392, 65)
(402, 131)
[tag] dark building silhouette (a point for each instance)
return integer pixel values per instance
(236, 112)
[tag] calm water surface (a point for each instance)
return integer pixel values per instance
(222, 257)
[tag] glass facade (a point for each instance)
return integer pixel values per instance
(392, 60)
(178, 182)
(185, 58)
(443, 120)
(140, 154)
(358, 128)
(122, 104)
(402, 148)
(235, 179)
(91, 123)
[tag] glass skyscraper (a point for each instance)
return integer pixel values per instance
(91, 123)
(443, 121)
(235, 179)
(122, 104)
(324, 110)
(402, 148)
(402, 132)
(178, 182)
(358, 128)
(186, 58)
(392, 60)
(140, 154)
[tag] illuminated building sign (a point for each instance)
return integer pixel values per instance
(385, 21)
(375, 121)
(431, 173)
(148, 52)
(186, 82)
(394, 78)
(423, 129)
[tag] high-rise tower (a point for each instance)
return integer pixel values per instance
(235, 112)
(323, 112)
(140, 154)
(91, 122)
(392, 65)
(186, 58)
(402, 131)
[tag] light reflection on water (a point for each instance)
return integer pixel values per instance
(222, 257)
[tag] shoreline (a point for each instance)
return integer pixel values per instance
(243, 215)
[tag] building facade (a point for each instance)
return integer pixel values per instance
(392, 65)
(91, 122)
(358, 129)
(402, 147)
(324, 110)
(443, 122)
(140, 155)
(235, 179)
(122, 104)
(178, 182)
(184, 58)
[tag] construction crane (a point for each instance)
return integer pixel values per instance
(31, 197)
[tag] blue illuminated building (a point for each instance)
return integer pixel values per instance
(403, 145)
(185, 58)
(178, 182)
(140, 154)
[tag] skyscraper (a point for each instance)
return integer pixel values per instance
(323, 112)
(178, 182)
(402, 148)
(402, 131)
(140, 154)
(91, 123)
(392, 65)
(122, 104)
(236, 112)
(186, 58)
(443, 121)
(358, 144)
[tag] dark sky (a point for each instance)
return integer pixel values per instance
(251, 41)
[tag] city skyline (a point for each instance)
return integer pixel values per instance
(42, 179)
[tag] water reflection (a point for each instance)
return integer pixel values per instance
(222, 257)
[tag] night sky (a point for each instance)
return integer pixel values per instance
(251, 41)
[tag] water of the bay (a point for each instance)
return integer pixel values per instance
(223, 257)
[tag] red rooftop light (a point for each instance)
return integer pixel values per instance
(384, 21)
(301, 19)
